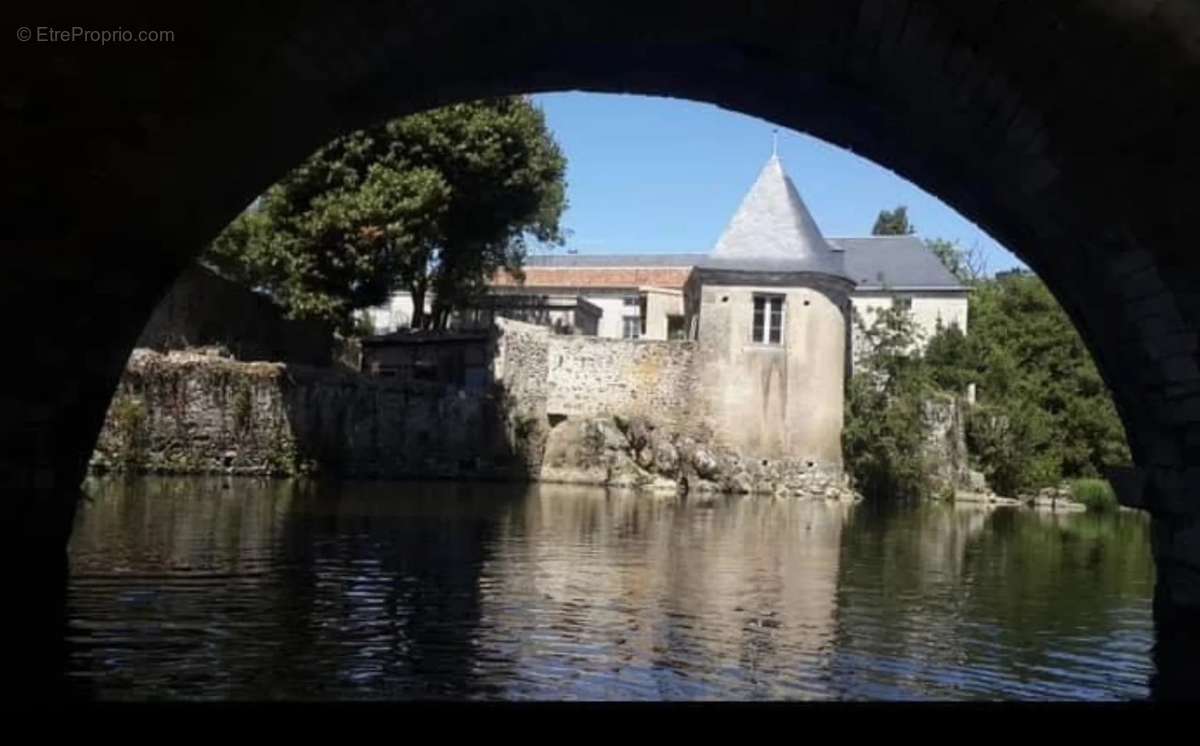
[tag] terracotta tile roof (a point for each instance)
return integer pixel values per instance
(895, 262)
(598, 277)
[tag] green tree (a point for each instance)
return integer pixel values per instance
(893, 223)
(884, 434)
(951, 358)
(432, 203)
(967, 265)
(1044, 412)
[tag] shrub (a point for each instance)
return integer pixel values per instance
(243, 409)
(1096, 494)
(129, 420)
(885, 431)
(1014, 447)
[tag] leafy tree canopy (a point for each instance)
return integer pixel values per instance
(893, 223)
(1033, 369)
(1043, 412)
(884, 432)
(967, 265)
(432, 203)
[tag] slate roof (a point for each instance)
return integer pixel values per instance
(896, 262)
(773, 230)
(903, 261)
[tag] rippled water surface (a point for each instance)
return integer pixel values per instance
(235, 589)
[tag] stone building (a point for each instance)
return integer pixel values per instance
(641, 296)
(771, 316)
(769, 308)
(629, 289)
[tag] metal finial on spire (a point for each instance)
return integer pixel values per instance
(775, 142)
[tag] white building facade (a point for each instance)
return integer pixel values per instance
(641, 296)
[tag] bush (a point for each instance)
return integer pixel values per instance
(1014, 447)
(1048, 412)
(1096, 494)
(883, 440)
(885, 431)
(129, 417)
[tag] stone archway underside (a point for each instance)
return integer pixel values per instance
(1066, 129)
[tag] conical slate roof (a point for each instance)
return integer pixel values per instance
(773, 231)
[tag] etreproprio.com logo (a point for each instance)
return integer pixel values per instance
(81, 35)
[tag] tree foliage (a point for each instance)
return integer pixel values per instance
(1044, 412)
(884, 432)
(968, 265)
(432, 203)
(893, 223)
(1043, 415)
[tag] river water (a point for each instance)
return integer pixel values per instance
(242, 589)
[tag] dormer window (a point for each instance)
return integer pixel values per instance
(768, 319)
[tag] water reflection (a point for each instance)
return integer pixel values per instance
(955, 604)
(250, 590)
(643, 597)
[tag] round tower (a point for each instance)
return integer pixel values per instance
(771, 301)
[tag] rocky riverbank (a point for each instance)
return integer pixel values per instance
(638, 453)
(1056, 499)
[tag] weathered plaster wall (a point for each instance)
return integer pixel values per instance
(775, 401)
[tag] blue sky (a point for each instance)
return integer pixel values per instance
(658, 175)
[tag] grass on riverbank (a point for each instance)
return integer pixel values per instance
(1096, 494)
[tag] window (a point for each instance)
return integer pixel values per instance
(675, 327)
(904, 304)
(632, 328)
(633, 300)
(768, 319)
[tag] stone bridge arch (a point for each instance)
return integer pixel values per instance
(1066, 129)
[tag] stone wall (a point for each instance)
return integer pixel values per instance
(202, 308)
(519, 371)
(189, 413)
(946, 443)
(591, 376)
(557, 408)
(184, 412)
